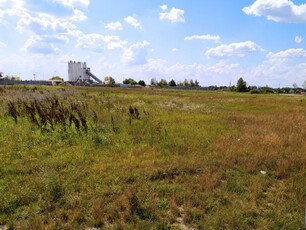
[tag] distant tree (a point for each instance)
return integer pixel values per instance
(196, 83)
(109, 81)
(295, 85)
(213, 87)
(142, 83)
(231, 88)
(267, 89)
(304, 85)
(5, 78)
(56, 78)
(186, 83)
(163, 82)
(129, 81)
(9, 78)
(241, 85)
(153, 81)
(15, 78)
(172, 83)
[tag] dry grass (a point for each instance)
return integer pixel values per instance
(151, 159)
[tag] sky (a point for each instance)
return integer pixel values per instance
(214, 42)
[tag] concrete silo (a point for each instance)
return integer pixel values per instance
(79, 72)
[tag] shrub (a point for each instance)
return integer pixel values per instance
(255, 91)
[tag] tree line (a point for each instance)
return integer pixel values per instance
(153, 82)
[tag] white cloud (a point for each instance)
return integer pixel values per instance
(277, 10)
(215, 38)
(174, 50)
(277, 72)
(98, 43)
(46, 30)
(44, 23)
(174, 15)
(133, 22)
(78, 16)
(286, 54)
(298, 39)
(239, 49)
(164, 7)
(136, 53)
(114, 26)
(11, 8)
(37, 44)
(2, 44)
(221, 72)
(223, 68)
(73, 3)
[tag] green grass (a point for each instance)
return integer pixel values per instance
(192, 158)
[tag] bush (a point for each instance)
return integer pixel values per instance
(255, 91)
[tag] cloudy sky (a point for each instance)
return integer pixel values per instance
(215, 42)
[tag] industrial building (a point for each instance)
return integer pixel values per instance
(79, 73)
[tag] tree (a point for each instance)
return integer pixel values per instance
(162, 82)
(196, 83)
(129, 81)
(304, 85)
(186, 83)
(295, 85)
(153, 81)
(172, 83)
(15, 78)
(109, 81)
(241, 85)
(142, 83)
(56, 78)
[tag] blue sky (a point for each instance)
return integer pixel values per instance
(214, 42)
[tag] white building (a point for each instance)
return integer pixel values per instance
(77, 71)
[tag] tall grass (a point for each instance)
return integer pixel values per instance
(76, 158)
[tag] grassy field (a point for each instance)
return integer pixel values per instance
(108, 158)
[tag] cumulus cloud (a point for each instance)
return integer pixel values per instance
(11, 8)
(289, 53)
(164, 7)
(37, 44)
(278, 11)
(239, 49)
(114, 26)
(136, 53)
(298, 39)
(222, 68)
(208, 37)
(206, 74)
(275, 72)
(73, 3)
(97, 42)
(44, 23)
(133, 22)
(2, 45)
(174, 15)
(38, 22)
(77, 16)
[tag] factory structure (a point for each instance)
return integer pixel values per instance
(79, 73)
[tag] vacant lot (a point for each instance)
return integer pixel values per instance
(76, 158)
